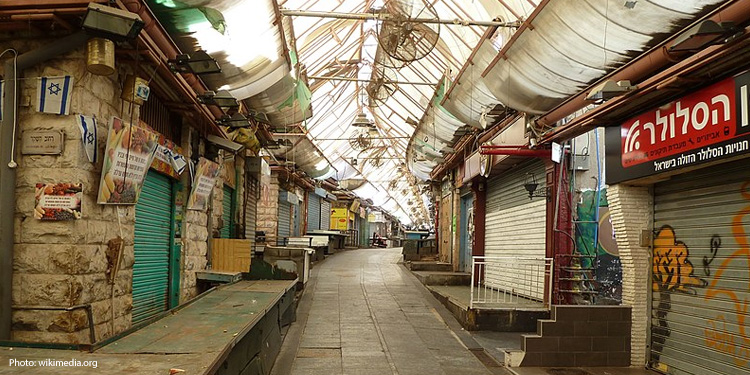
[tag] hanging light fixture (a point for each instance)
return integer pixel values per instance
(531, 187)
(361, 121)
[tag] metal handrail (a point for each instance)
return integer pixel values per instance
(512, 280)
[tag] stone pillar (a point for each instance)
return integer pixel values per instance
(268, 207)
(63, 263)
(631, 213)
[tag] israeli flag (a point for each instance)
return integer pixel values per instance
(87, 125)
(178, 162)
(53, 94)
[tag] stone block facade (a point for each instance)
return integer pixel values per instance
(63, 264)
(268, 207)
(631, 210)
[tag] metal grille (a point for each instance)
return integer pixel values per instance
(701, 272)
(522, 281)
(152, 247)
(325, 215)
(313, 212)
(227, 205)
(285, 219)
(160, 118)
(515, 225)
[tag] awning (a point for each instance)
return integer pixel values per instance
(575, 42)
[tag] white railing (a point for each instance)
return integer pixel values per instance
(511, 282)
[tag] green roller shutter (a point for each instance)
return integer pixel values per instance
(227, 204)
(152, 247)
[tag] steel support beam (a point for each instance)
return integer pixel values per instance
(386, 17)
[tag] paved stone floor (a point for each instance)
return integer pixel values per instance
(363, 313)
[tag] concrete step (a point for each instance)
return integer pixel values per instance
(429, 266)
(443, 278)
(511, 319)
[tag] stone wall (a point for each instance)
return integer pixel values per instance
(268, 207)
(63, 264)
(631, 210)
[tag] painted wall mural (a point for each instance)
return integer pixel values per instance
(603, 258)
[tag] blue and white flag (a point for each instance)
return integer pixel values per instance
(53, 94)
(178, 162)
(87, 125)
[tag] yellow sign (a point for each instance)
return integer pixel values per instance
(339, 219)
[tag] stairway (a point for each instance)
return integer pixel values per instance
(580, 336)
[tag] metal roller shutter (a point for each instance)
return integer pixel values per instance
(313, 212)
(251, 207)
(285, 218)
(325, 215)
(296, 220)
(227, 204)
(701, 286)
(152, 247)
(516, 226)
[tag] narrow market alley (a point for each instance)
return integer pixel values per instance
(363, 313)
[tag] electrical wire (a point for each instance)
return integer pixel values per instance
(12, 163)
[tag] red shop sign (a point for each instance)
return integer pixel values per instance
(708, 124)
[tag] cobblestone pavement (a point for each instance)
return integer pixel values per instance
(369, 315)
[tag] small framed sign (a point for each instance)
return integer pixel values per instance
(42, 142)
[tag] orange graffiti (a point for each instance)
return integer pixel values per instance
(672, 269)
(718, 336)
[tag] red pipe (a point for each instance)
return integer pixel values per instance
(646, 64)
(516, 152)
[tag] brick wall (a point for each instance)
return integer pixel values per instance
(631, 213)
(584, 336)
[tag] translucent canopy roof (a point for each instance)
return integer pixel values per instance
(313, 74)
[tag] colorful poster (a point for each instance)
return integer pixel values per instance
(56, 202)
(168, 158)
(205, 179)
(130, 151)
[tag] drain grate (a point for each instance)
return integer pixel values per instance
(567, 371)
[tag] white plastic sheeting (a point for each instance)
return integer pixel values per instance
(575, 42)
(348, 48)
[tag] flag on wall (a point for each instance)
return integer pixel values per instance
(87, 125)
(53, 94)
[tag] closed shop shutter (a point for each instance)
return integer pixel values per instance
(296, 220)
(313, 212)
(515, 225)
(285, 218)
(446, 227)
(701, 286)
(227, 204)
(251, 207)
(325, 215)
(152, 247)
